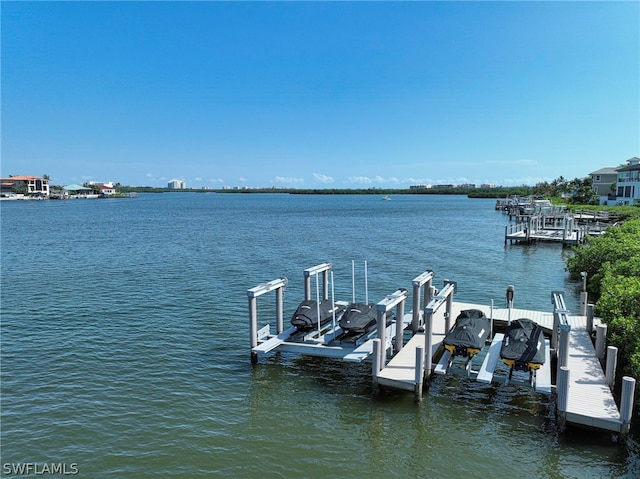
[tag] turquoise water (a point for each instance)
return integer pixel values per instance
(125, 346)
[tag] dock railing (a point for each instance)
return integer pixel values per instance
(445, 296)
(421, 282)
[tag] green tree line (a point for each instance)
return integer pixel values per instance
(612, 263)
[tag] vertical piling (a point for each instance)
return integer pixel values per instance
(590, 307)
(382, 319)
(428, 340)
(610, 369)
(279, 310)
(399, 326)
(562, 390)
(375, 366)
(419, 378)
(601, 339)
(626, 403)
(415, 318)
(253, 327)
(563, 346)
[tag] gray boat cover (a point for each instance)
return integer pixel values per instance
(523, 343)
(306, 315)
(470, 331)
(359, 318)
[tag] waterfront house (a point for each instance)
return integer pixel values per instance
(80, 191)
(26, 185)
(628, 192)
(603, 181)
(106, 189)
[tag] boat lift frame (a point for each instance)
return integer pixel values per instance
(325, 341)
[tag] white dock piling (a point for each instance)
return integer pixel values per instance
(563, 346)
(584, 296)
(562, 389)
(590, 315)
(626, 403)
(601, 339)
(399, 326)
(610, 370)
(376, 357)
(428, 341)
(419, 372)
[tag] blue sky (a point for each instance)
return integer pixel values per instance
(318, 94)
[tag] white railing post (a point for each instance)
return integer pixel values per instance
(419, 378)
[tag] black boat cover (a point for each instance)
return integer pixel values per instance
(523, 345)
(469, 333)
(359, 318)
(306, 316)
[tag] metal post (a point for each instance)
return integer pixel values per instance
(428, 340)
(449, 313)
(563, 347)
(590, 307)
(562, 390)
(307, 287)
(583, 294)
(381, 317)
(610, 369)
(601, 340)
(626, 403)
(554, 330)
(279, 310)
(510, 293)
(253, 327)
(415, 318)
(399, 325)
(419, 378)
(325, 285)
(376, 360)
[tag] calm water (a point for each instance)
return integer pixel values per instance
(125, 342)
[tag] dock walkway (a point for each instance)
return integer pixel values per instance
(589, 400)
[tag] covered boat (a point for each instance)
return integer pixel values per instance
(359, 318)
(523, 347)
(306, 315)
(469, 333)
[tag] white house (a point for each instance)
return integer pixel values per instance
(628, 192)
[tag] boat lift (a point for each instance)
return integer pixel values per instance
(328, 340)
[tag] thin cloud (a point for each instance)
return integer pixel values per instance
(287, 179)
(323, 178)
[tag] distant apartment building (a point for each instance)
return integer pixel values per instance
(27, 185)
(176, 185)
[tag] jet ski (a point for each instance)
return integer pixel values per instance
(306, 315)
(359, 318)
(468, 335)
(523, 347)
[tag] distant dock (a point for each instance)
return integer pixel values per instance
(406, 349)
